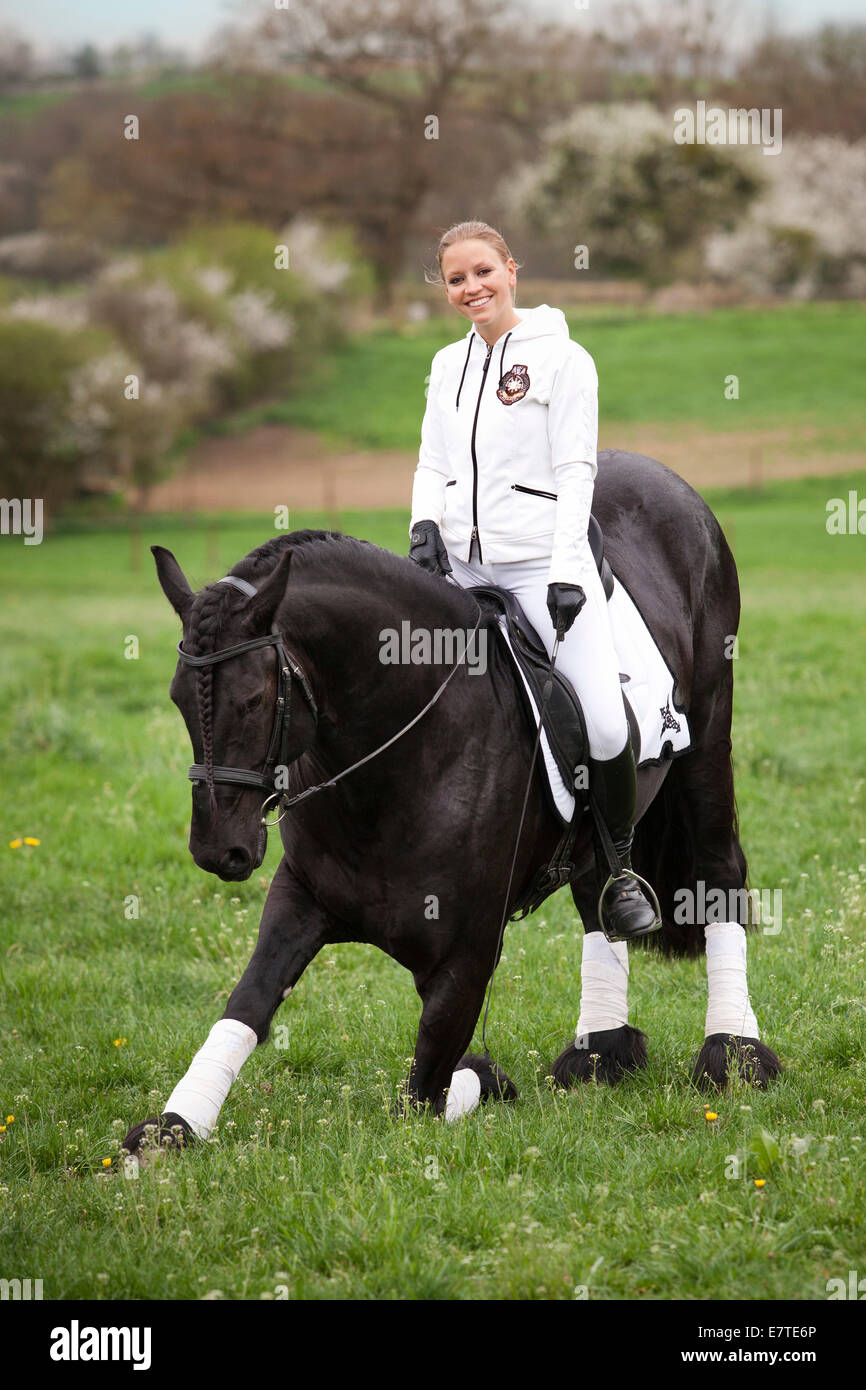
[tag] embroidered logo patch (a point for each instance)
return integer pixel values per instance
(668, 721)
(513, 385)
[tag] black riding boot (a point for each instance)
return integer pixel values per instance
(628, 913)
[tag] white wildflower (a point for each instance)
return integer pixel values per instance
(309, 257)
(260, 325)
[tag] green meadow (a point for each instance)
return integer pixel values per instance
(796, 364)
(309, 1189)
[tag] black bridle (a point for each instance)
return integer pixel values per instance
(288, 669)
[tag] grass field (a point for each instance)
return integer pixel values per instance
(309, 1188)
(799, 365)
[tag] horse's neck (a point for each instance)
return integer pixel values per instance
(356, 646)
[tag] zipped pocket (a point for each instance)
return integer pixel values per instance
(533, 491)
(451, 483)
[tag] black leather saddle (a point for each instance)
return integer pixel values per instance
(563, 718)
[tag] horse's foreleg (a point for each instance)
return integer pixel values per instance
(452, 996)
(292, 931)
(294, 928)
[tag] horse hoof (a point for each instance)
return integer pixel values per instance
(607, 1056)
(166, 1131)
(495, 1085)
(727, 1057)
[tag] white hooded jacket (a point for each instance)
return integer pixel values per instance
(508, 446)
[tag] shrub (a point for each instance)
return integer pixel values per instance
(612, 178)
(38, 457)
(203, 325)
(804, 236)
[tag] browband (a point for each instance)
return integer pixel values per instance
(245, 588)
(270, 640)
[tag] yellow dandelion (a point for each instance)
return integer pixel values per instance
(120, 1042)
(2, 1129)
(710, 1115)
(30, 840)
(106, 1163)
(16, 844)
(10, 1119)
(759, 1182)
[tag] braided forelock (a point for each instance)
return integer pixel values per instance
(207, 618)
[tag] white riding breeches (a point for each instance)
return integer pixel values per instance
(586, 654)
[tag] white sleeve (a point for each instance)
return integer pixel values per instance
(572, 426)
(433, 470)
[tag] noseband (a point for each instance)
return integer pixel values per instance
(288, 669)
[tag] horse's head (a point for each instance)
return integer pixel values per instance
(244, 726)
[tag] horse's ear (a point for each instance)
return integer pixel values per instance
(173, 581)
(259, 612)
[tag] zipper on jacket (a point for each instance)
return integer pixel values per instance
(535, 491)
(476, 539)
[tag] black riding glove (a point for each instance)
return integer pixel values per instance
(564, 602)
(427, 548)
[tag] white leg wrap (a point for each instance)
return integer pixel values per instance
(464, 1093)
(728, 1007)
(199, 1096)
(603, 985)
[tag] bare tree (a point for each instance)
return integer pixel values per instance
(16, 61)
(410, 66)
(667, 48)
(819, 79)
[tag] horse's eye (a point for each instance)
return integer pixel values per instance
(252, 704)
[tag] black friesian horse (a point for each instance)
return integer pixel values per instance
(437, 812)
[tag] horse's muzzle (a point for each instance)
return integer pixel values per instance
(234, 863)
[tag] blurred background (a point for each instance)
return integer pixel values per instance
(214, 236)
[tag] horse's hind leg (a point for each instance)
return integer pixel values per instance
(452, 994)
(703, 780)
(605, 1046)
(292, 931)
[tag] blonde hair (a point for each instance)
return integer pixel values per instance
(469, 231)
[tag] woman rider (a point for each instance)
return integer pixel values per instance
(502, 495)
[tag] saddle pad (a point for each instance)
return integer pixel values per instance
(649, 690)
(664, 730)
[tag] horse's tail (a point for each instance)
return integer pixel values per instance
(664, 851)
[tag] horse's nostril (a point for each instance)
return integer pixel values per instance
(236, 862)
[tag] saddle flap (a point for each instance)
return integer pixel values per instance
(563, 716)
(595, 536)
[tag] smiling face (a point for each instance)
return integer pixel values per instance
(478, 284)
